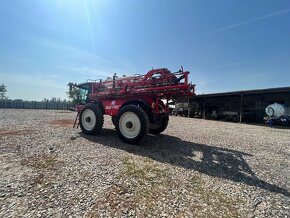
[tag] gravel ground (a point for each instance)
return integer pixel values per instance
(196, 168)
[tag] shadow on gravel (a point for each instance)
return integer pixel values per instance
(213, 161)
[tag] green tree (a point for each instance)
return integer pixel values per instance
(3, 92)
(74, 95)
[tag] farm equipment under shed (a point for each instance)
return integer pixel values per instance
(136, 103)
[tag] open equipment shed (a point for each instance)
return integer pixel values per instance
(239, 106)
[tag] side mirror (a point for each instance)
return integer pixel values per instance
(70, 86)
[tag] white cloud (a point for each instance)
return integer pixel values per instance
(251, 20)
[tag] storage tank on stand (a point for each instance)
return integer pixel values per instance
(278, 112)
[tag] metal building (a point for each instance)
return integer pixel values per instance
(239, 106)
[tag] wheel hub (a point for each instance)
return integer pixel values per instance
(129, 125)
(88, 119)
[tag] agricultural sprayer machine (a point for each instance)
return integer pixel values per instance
(138, 104)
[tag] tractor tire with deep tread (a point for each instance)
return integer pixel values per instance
(114, 120)
(132, 124)
(160, 127)
(91, 119)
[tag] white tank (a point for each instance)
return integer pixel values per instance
(277, 110)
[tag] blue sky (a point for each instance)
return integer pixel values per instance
(226, 44)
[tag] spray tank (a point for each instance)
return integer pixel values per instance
(278, 114)
(277, 111)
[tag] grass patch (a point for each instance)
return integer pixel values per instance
(44, 168)
(42, 162)
(147, 173)
(147, 188)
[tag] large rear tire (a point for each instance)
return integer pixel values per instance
(157, 128)
(132, 124)
(91, 119)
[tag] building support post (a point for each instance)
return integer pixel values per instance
(204, 108)
(241, 108)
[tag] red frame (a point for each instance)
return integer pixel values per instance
(157, 84)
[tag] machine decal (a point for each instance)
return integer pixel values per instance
(110, 107)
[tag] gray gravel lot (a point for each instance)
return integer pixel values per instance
(196, 168)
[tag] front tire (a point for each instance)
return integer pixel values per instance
(132, 124)
(91, 119)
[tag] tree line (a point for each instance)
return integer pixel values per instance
(71, 94)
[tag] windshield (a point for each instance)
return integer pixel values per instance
(84, 91)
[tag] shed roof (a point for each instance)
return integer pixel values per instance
(247, 92)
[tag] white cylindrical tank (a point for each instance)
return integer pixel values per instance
(277, 110)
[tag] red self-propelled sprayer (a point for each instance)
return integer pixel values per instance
(138, 104)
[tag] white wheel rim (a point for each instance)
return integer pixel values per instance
(89, 119)
(129, 125)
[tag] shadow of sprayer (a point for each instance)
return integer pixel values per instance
(213, 161)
